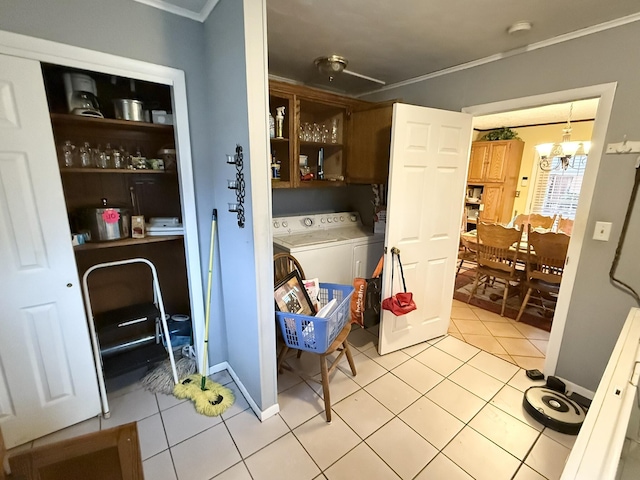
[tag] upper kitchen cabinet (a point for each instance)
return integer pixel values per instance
(492, 162)
(369, 145)
(326, 139)
(282, 137)
(492, 180)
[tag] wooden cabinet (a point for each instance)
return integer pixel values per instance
(148, 192)
(492, 180)
(369, 145)
(340, 139)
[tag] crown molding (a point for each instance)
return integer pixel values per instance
(618, 22)
(200, 16)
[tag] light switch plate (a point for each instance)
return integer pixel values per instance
(602, 231)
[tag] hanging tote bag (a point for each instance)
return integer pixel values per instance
(401, 303)
(366, 298)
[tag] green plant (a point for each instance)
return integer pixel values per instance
(504, 133)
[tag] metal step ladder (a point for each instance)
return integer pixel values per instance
(127, 338)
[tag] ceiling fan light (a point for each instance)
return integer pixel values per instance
(331, 65)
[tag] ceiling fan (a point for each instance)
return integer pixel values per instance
(333, 65)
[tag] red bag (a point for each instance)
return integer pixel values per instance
(400, 303)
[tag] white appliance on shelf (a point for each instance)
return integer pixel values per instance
(333, 247)
(608, 445)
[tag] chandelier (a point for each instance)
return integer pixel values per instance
(562, 155)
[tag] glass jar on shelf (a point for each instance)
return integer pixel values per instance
(86, 158)
(68, 153)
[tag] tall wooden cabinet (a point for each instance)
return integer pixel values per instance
(492, 180)
(341, 140)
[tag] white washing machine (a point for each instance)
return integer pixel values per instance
(333, 247)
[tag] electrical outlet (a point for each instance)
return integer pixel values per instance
(602, 231)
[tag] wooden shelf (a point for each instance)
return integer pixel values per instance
(126, 242)
(472, 220)
(279, 140)
(320, 144)
(68, 119)
(114, 170)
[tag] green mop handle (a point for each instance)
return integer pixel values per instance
(214, 219)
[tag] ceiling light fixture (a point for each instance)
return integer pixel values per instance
(333, 65)
(517, 27)
(564, 154)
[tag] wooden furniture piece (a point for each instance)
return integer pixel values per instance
(544, 270)
(147, 192)
(465, 254)
(534, 220)
(565, 225)
(340, 343)
(112, 454)
(353, 137)
(283, 264)
(492, 180)
(496, 259)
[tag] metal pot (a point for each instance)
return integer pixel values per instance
(128, 109)
(105, 223)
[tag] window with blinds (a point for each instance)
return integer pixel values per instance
(557, 191)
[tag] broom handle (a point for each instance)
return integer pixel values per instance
(205, 354)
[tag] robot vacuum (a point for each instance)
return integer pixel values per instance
(554, 409)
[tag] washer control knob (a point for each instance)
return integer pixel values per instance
(341, 218)
(285, 224)
(276, 225)
(308, 222)
(353, 218)
(322, 220)
(335, 219)
(329, 220)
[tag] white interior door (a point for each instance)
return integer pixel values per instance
(427, 175)
(47, 375)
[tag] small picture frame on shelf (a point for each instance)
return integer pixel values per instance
(291, 296)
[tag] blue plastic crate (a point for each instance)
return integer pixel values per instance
(317, 334)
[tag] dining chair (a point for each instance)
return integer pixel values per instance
(497, 253)
(546, 256)
(565, 225)
(283, 264)
(535, 220)
(465, 254)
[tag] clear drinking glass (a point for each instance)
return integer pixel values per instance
(99, 158)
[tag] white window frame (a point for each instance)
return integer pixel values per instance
(565, 203)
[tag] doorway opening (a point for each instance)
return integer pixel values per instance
(532, 186)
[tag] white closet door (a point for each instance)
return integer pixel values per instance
(47, 375)
(427, 180)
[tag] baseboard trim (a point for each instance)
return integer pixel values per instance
(572, 387)
(261, 414)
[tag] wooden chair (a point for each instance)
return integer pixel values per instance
(565, 225)
(465, 254)
(283, 264)
(535, 220)
(496, 258)
(546, 255)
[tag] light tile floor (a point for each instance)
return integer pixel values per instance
(443, 409)
(515, 342)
